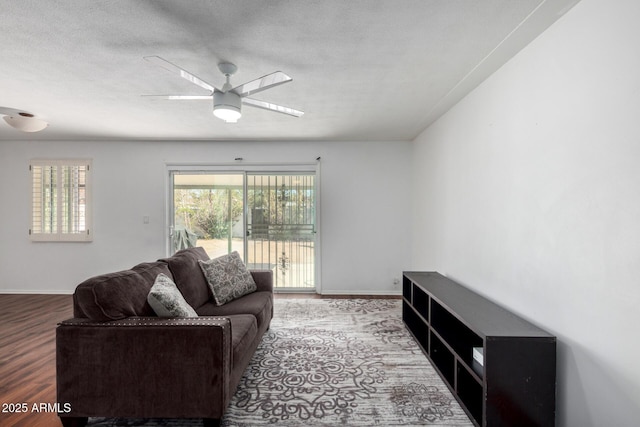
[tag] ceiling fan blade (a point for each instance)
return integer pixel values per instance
(272, 107)
(11, 111)
(177, 70)
(263, 83)
(181, 97)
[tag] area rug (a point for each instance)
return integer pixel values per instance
(334, 362)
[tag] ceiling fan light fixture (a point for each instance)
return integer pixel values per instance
(228, 100)
(25, 122)
(227, 113)
(226, 106)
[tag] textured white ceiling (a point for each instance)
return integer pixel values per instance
(362, 69)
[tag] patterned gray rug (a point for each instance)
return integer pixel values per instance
(329, 362)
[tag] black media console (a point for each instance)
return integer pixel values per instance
(516, 383)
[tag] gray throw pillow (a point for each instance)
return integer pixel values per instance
(167, 301)
(228, 277)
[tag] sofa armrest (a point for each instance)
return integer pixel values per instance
(263, 279)
(144, 367)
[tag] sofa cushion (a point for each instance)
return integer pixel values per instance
(228, 278)
(188, 276)
(244, 330)
(166, 300)
(121, 294)
(259, 304)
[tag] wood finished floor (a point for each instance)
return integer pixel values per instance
(28, 357)
(28, 354)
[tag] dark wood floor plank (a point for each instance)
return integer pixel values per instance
(27, 355)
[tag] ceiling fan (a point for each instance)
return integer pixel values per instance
(22, 120)
(227, 100)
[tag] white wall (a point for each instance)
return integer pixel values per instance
(364, 246)
(530, 194)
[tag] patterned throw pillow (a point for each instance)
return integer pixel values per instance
(167, 301)
(228, 277)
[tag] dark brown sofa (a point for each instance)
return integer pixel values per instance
(115, 358)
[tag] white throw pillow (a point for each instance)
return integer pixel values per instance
(167, 301)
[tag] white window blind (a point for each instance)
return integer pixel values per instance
(60, 200)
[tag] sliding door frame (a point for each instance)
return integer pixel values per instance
(245, 169)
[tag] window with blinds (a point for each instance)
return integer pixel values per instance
(60, 200)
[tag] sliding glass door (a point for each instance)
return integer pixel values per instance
(268, 218)
(281, 227)
(208, 212)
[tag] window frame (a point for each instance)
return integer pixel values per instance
(56, 234)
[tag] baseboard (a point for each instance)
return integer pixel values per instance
(36, 291)
(380, 294)
(327, 293)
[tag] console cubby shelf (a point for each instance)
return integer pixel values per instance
(516, 385)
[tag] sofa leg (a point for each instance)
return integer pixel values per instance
(211, 422)
(74, 421)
